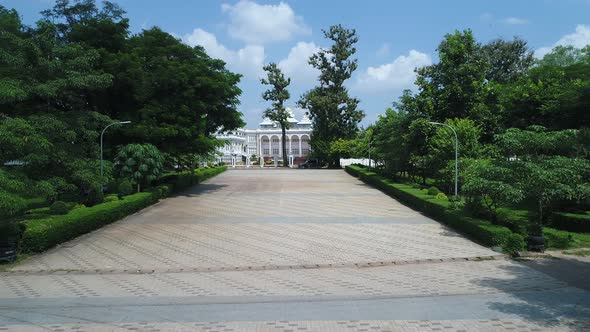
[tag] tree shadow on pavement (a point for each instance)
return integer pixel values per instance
(200, 189)
(539, 297)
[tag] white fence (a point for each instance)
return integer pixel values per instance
(363, 161)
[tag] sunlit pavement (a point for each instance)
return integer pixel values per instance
(284, 250)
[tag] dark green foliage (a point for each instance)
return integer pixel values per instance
(513, 244)
(11, 205)
(277, 94)
(10, 232)
(78, 69)
(491, 185)
(333, 112)
(42, 234)
(433, 191)
(125, 188)
(111, 198)
(183, 180)
(573, 222)
(59, 207)
(95, 196)
(141, 162)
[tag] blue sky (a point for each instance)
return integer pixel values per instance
(395, 36)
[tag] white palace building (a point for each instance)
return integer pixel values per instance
(265, 143)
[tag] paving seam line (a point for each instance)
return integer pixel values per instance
(253, 268)
(244, 299)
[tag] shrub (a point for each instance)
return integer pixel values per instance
(163, 191)
(433, 191)
(125, 188)
(10, 231)
(183, 180)
(141, 162)
(456, 203)
(415, 185)
(111, 198)
(571, 222)
(441, 196)
(11, 205)
(42, 234)
(424, 191)
(95, 196)
(513, 244)
(59, 207)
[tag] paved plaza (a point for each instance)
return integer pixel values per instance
(283, 250)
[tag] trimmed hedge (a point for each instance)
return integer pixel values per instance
(42, 234)
(183, 180)
(480, 230)
(571, 222)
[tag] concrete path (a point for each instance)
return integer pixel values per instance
(283, 250)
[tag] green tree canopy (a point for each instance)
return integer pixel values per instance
(277, 94)
(333, 112)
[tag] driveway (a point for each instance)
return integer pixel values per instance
(282, 250)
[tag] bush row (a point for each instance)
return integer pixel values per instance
(480, 230)
(42, 234)
(571, 222)
(184, 180)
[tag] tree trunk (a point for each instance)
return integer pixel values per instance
(138, 187)
(540, 213)
(285, 157)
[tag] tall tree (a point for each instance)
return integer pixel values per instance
(455, 87)
(507, 59)
(333, 112)
(277, 94)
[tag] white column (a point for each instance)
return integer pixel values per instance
(300, 152)
(261, 161)
(290, 141)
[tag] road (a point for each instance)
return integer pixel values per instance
(283, 250)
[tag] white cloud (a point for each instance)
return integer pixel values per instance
(258, 24)
(383, 50)
(396, 75)
(515, 21)
(578, 39)
(247, 60)
(295, 64)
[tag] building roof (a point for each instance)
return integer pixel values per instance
(304, 120)
(291, 118)
(266, 122)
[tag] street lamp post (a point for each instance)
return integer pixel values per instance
(456, 151)
(101, 145)
(369, 153)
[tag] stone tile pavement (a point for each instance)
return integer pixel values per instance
(283, 250)
(256, 219)
(484, 277)
(496, 325)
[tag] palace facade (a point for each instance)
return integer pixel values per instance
(265, 143)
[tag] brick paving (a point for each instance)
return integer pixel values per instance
(257, 218)
(289, 250)
(498, 325)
